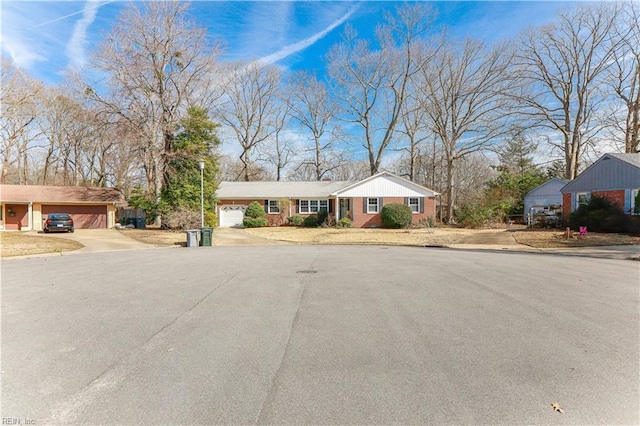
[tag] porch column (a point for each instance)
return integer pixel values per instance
(30, 215)
(337, 208)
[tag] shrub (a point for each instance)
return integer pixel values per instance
(210, 219)
(396, 215)
(311, 221)
(254, 210)
(181, 218)
(323, 217)
(254, 222)
(601, 215)
(296, 220)
(344, 222)
(473, 215)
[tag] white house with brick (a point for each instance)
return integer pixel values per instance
(360, 201)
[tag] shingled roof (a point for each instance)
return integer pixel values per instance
(259, 190)
(59, 194)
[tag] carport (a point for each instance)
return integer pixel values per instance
(25, 207)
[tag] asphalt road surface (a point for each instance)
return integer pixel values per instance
(320, 335)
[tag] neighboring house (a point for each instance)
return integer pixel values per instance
(615, 177)
(360, 201)
(25, 207)
(542, 198)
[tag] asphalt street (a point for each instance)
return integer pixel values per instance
(287, 334)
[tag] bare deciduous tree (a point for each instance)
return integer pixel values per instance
(624, 73)
(20, 103)
(251, 92)
(463, 94)
(158, 63)
(313, 109)
(561, 66)
(373, 84)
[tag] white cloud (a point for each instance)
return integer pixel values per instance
(76, 45)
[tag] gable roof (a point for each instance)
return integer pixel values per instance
(609, 172)
(550, 187)
(384, 184)
(387, 184)
(59, 194)
(278, 189)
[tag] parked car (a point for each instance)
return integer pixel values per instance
(60, 222)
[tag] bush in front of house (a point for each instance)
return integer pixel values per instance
(344, 222)
(396, 215)
(601, 215)
(254, 216)
(311, 221)
(254, 209)
(296, 220)
(254, 222)
(323, 217)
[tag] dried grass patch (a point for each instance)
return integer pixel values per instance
(557, 239)
(413, 237)
(156, 236)
(21, 244)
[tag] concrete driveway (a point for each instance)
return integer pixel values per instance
(100, 240)
(292, 334)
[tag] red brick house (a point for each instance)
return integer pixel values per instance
(615, 177)
(25, 207)
(360, 201)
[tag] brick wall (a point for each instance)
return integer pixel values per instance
(362, 219)
(616, 197)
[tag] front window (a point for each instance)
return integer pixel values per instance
(313, 206)
(414, 204)
(372, 205)
(582, 198)
(273, 207)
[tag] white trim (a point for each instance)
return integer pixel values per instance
(277, 207)
(309, 201)
(587, 196)
(377, 210)
(417, 204)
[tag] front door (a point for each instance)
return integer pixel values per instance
(345, 208)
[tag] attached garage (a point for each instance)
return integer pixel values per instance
(231, 216)
(84, 217)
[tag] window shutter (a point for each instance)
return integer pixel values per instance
(329, 205)
(297, 206)
(421, 201)
(380, 200)
(364, 204)
(266, 206)
(628, 194)
(406, 201)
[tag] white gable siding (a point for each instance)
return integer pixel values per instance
(385, 186)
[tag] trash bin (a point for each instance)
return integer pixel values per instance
(141, 223)
(192, 238)
(206, 236)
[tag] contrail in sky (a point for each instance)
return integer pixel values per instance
(60, 18)
(303, 44)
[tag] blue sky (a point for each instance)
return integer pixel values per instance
(45, 37)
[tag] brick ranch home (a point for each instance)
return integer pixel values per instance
(615, 177)
(25, 207)
(360, 201)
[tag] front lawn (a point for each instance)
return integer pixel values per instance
(554, 238)
(22, 244)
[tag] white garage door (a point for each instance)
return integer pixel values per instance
(231, 216)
